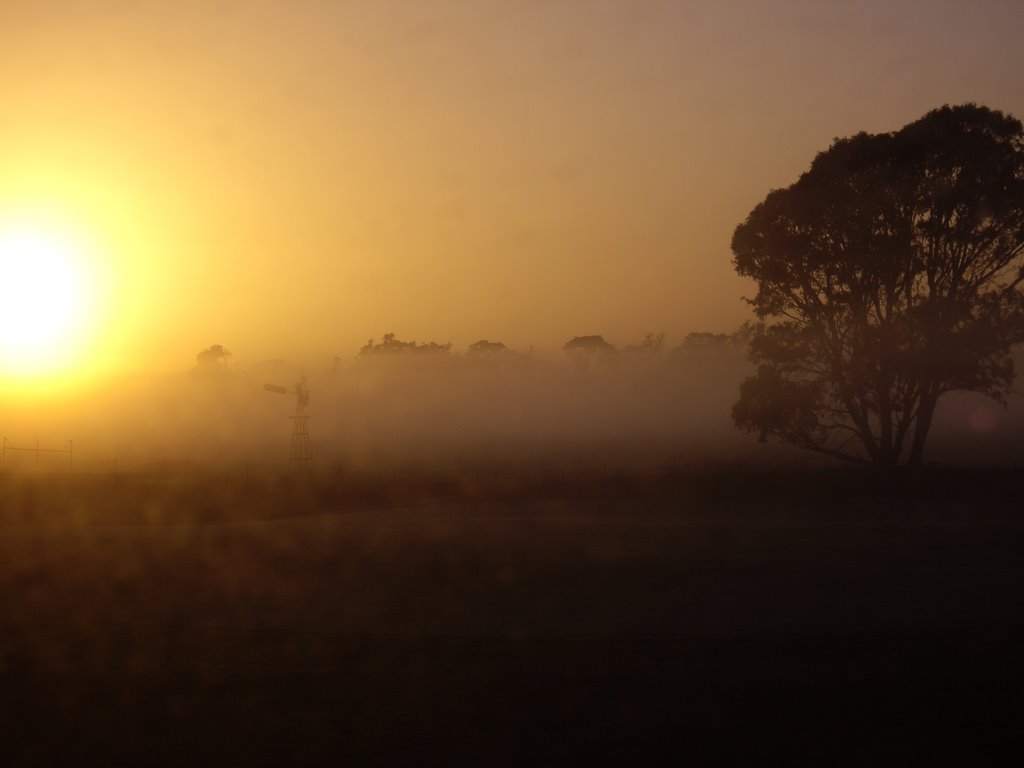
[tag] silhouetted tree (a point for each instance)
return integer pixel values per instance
(889, 274)
(486, 349)
(390, 345)
(213, 359)
(651, 348)
(704, 341)
(492, 354)
(584, 349)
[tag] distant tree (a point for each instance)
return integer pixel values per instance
(496, 354)
(651, 347)
(584, 350)
(888, 275)
(486, 349)
(213, 359)
(493, 351)
(390, 345)
(703, 341)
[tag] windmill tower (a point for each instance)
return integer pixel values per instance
(300, 455)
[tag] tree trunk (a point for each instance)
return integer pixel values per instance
(921, 428)
(886, 454)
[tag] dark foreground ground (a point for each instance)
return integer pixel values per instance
(832, 618)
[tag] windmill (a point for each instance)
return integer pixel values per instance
(300, 456)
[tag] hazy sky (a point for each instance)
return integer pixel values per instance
(289, 179)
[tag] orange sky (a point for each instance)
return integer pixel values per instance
(289, 179)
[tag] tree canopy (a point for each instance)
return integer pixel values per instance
(486, 349)
(888, 275)
(651, 348)
(212, 360)
(587, 345)
(391, 345)
(582, 350)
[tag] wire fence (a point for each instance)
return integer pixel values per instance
(14, 458)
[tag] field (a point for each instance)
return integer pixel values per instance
(722, 613)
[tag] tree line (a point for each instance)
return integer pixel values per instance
(585, 351)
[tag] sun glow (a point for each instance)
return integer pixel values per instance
(45, 297)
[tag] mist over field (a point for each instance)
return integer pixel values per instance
(441, 412)
(420, 410)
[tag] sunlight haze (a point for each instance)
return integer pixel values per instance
(291, 179)
(511, 382)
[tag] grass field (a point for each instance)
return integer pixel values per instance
(737, 614)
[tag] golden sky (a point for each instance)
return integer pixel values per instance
(291, 178)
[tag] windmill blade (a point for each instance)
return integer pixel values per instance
(276, 388)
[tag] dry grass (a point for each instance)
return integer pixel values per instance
(704, 613)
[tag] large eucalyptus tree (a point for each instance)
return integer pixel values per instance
(888, 275)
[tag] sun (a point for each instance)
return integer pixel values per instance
(43, 298)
